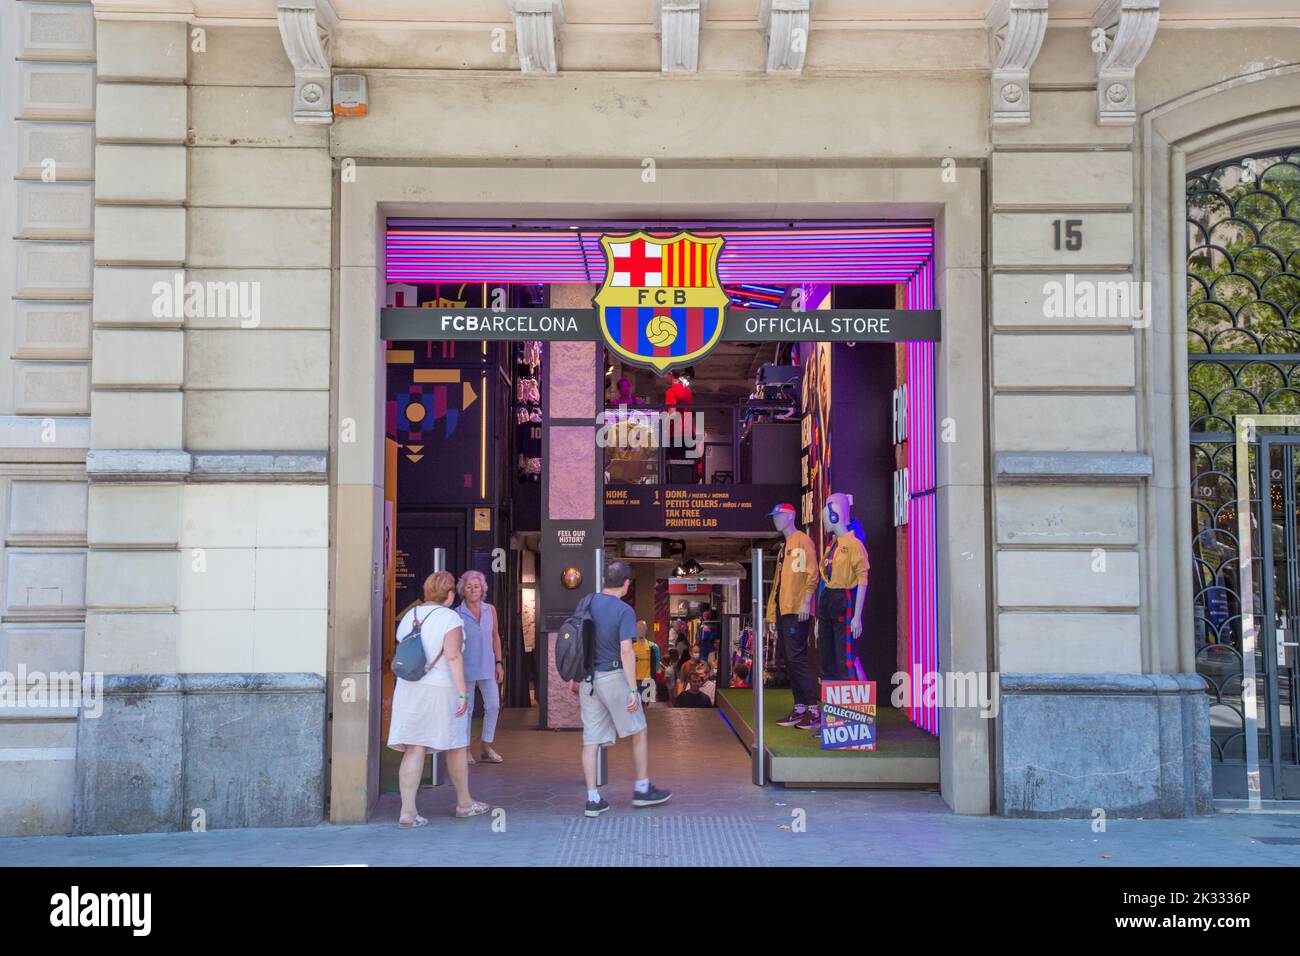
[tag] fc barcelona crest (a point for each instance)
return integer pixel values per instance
(661, 304)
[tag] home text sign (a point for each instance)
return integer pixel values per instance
(712, 509)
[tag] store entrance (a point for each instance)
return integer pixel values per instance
(692, 465)
(773, 433)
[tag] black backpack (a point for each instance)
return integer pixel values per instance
(575, 643)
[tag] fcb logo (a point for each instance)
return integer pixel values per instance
(661, 304)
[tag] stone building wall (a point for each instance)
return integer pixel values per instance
(168, 507)
(47, 170)
(208, 495)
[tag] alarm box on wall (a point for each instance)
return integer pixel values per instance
(350, 95)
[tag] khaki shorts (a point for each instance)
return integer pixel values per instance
(605, 712)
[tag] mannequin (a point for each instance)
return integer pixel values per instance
(842, 593)
(646, 654)
(789, 608)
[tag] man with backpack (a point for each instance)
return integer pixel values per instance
(608, 694)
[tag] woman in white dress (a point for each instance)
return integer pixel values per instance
(433, 712)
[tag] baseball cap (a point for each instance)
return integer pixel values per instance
(784, 506)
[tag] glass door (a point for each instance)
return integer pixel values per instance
(1277, 657)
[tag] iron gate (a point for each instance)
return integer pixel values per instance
(1243, 342)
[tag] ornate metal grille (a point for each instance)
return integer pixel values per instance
(1243, 343)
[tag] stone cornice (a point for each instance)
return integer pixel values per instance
(537, 34)
(307, 28)
(1016, 29)
(1129, 27)
(786, 25)
(679, 31)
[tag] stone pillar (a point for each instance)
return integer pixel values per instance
(208, 568)
(136, 463)
(1085, 720)
(47, 168)
(573, 492)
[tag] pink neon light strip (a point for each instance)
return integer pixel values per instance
(922, 586)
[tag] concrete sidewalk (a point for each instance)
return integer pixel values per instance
(716, 817)
(845, 828)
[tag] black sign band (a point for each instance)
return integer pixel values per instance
(580, 325)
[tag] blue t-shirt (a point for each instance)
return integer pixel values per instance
(615, 622)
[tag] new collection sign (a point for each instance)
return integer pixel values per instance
(848, 715)
(661, 306)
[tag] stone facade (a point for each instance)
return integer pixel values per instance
(188, 496)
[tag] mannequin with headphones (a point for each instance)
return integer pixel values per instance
(789, 610)
(842, 592)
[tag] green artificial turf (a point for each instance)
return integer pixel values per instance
(896, 736)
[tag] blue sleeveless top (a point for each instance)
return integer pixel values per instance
(480, 660)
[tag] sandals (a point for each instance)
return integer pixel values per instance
(419, 821)
(477, 808)
(469, 757)
(491, 756)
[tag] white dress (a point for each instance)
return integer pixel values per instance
(424, 711)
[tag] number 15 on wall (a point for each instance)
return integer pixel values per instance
(1073, 234)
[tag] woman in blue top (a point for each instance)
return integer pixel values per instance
(483, 668)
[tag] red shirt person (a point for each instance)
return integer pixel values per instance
(679, 399)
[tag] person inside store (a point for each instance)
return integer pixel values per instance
(708, 686)
(693, 696)
(483, 662)
(740, 675)
(678, 387)
(842, 591)
(693, 660)
(683, 649)
(708, 632)
(681, 428)
(789, 610)
(665, 677)
(623, 394)
(609, 701)
(433, 713)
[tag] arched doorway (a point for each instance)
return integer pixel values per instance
(1243, 353)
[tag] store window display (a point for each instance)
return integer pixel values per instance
(842, 591)
(789, 610)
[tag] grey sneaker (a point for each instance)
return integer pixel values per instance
(651, 797)
(596, 808)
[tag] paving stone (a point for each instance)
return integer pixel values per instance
(716, 816)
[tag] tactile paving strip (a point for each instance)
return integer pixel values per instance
(649, 839)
